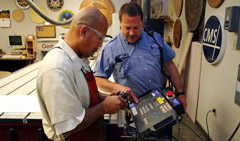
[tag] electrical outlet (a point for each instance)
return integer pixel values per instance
(214, 111)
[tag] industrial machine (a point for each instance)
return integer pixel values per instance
(156, 111)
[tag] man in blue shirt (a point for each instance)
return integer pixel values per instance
(134, 58)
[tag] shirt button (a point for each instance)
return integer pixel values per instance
(145, 68)
(150, 81)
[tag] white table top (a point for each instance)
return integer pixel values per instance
(18, 97)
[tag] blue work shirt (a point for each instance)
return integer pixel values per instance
(137, 65)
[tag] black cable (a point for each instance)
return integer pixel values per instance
(175, 138)
(109, 36)
(192, 130)
(178, 133)
(178, 130)
(183, 123)
(234, 132)
(148, 29)
(207, 125)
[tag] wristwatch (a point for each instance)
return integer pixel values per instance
(179, 93)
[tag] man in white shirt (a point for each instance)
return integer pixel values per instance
(69, 99)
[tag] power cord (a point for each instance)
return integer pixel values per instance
(234, 132)
(192, 130)
(213, 110)
(183, 123)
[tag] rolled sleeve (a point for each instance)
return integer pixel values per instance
(68, 125)
(103, 67)
(168, 53)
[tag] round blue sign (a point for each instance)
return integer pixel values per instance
(64, 16)
(213, 46)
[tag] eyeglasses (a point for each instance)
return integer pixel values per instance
(100, 35)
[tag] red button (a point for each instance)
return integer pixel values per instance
(170, 93)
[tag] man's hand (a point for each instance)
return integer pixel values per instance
(127, 90)
(132, 96)
(182, 98)
(112, 104)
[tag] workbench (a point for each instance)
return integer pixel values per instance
(20, 113)
(13, 64)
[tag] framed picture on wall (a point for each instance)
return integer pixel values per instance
(5, 20)
(22, 4)
(46, 31)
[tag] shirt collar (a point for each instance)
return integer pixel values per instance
(78, 62)
(126, 41)
(67, 49)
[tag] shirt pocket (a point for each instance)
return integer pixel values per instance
(155, 50)
(123, 68)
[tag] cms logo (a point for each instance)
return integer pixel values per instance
(210, 35)
(212, 40)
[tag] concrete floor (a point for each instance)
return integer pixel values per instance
(182, 133)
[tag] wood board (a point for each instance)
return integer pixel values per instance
(215, 3)
(194, 11)
(184, 51)
(177, 33)
(192, 79)
(178, 7)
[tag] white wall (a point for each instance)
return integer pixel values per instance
(217, 82)
(28, 27)
(218, 86)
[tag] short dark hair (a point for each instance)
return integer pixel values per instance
(132, 9)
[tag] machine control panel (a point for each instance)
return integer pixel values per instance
(155, 111)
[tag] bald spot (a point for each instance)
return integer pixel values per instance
(90, 16)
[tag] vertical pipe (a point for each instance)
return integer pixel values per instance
(146, 6)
